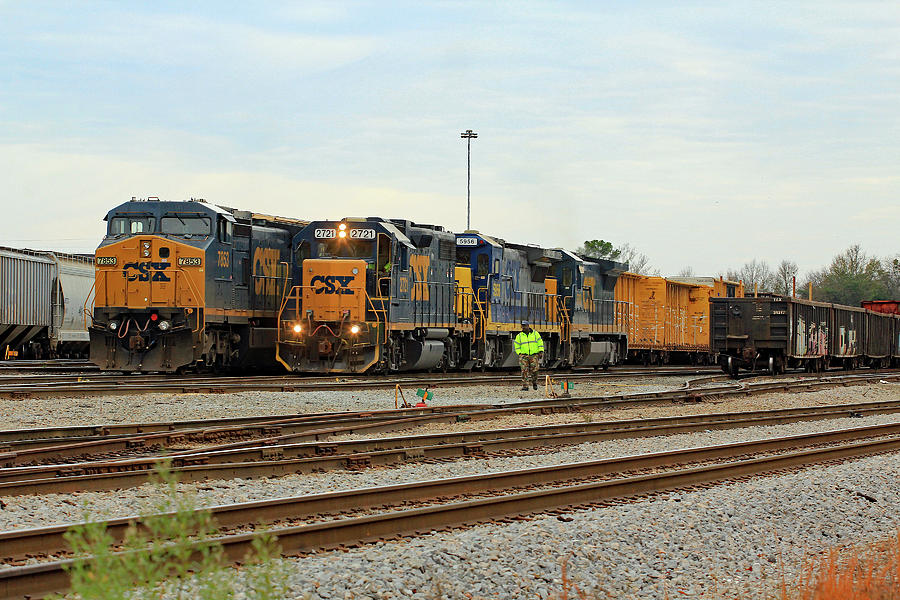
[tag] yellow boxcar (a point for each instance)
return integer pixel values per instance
(668, 318)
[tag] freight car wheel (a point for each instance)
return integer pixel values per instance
(732, 368)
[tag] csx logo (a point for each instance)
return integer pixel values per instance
(143, 271)
(332, 284)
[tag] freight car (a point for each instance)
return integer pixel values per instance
(43, 296)
(668, 318)
(377, 295)
(889, 307)
(184, 285)
(779, 332)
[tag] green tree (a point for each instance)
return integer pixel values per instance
(851, 277)
(598, 249)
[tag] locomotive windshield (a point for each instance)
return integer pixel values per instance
(130, 225)
(343, 248)
(185, 225)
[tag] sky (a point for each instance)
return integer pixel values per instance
(705, 134)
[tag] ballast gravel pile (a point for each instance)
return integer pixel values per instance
(50, 509)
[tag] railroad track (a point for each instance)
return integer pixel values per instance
(24, 446)
(102, 383)
(336, 518)
(40, 446)
(306, 451)
(62, 365)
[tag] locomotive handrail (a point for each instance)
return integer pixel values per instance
(375, 311)
(84, 310)
(201, 322)
(285, 299)
(285, 278)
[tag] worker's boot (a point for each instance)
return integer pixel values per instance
(525, 388)
(534, 385)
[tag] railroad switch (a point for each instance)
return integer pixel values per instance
(326, 450)
(473, 449)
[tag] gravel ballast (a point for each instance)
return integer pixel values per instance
(736, 539)
(141, 408)
(49, 509)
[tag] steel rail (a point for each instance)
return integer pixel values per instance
(313, 429)
(41, 579)
(308, 457)
(201, 378)
(292, 384)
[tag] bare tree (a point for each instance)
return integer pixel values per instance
(891, 268)
(638, 262)
(686, 272)
(784, 277)
(754, 273)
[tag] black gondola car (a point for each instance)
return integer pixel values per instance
(779, 332)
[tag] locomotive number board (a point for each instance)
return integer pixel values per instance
(354, 234)
(466, 241)
(189, 261)
(106, 260)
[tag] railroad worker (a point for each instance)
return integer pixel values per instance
(530, 348)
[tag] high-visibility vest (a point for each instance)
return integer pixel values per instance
(529, 343)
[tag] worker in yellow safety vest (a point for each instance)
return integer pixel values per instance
(530, 348)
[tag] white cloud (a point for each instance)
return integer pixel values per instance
(189, 42)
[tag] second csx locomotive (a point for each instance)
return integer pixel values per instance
(188, 285)
(392, 295)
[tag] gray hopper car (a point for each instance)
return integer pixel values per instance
(43, 296)
(778, 332)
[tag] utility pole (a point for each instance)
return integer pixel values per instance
(468, 134)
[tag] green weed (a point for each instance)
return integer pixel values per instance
(170, 551)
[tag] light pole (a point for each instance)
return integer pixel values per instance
(468, 134)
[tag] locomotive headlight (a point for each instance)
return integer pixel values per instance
(354, 329)
(113, 325)
(146, 251)
(164, 325)
(298, 328)
(342, 226)
(342, 234)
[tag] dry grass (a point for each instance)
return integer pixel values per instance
(870, 572)
(866, 572)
